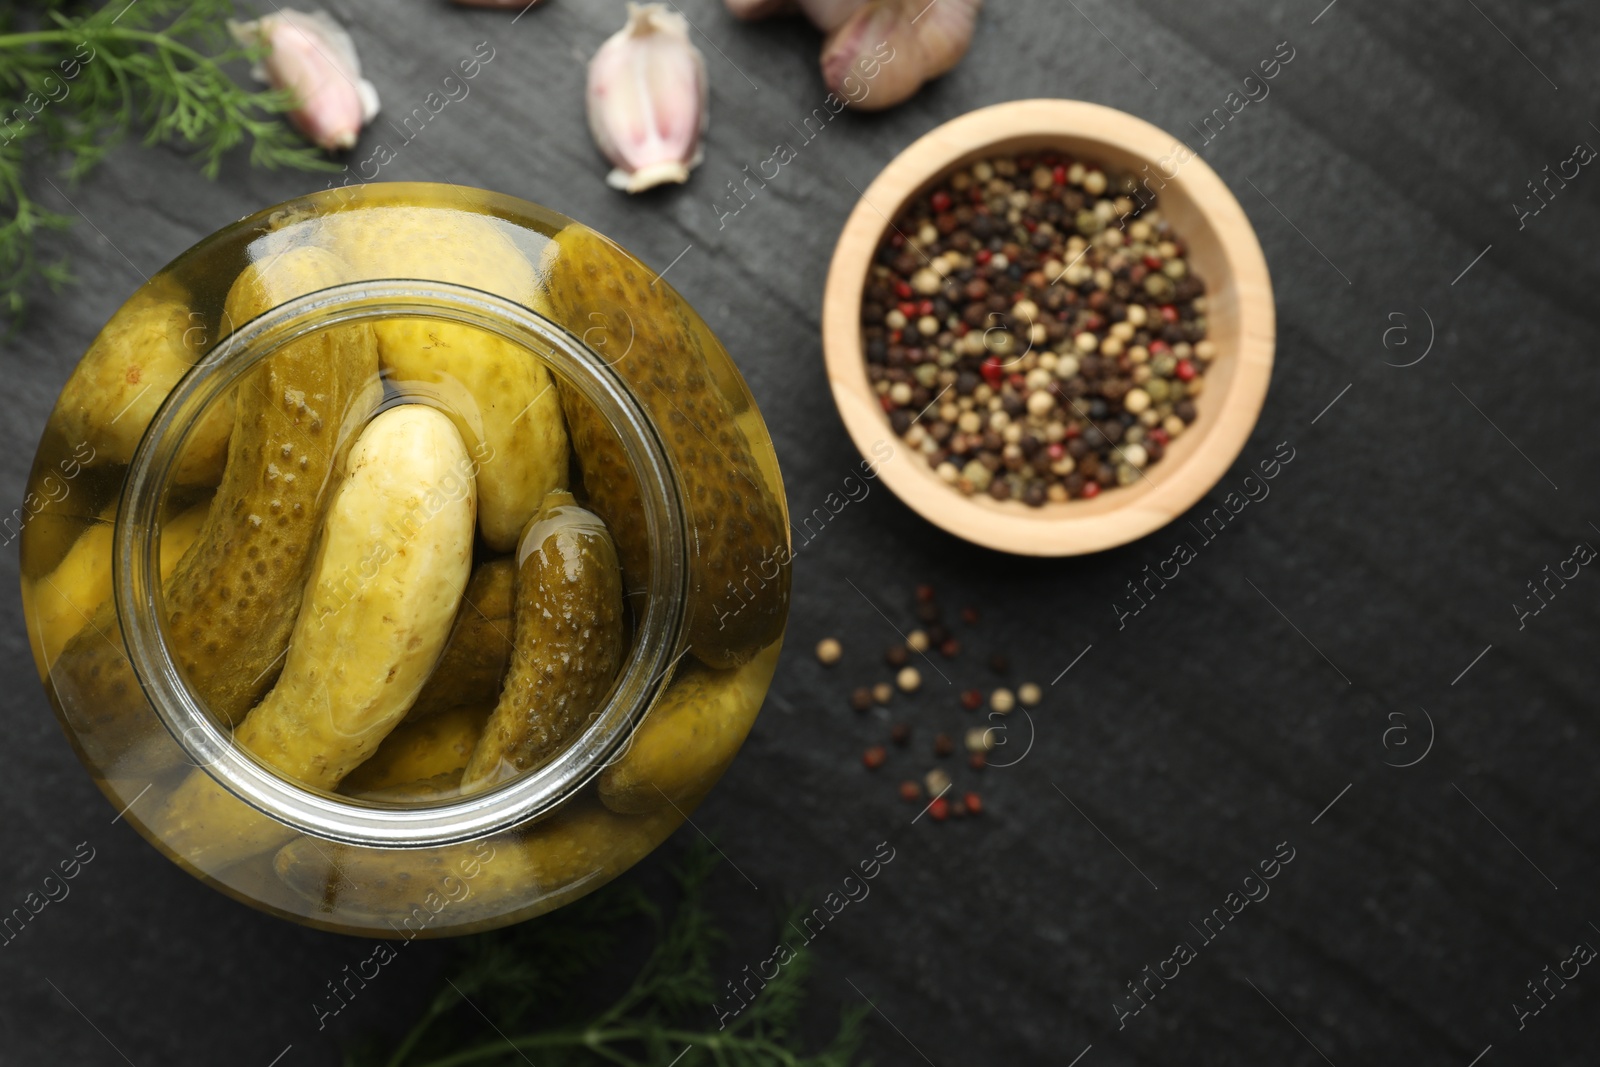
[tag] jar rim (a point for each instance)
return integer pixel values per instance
(138, 590)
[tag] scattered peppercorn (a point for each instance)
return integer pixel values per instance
(969, 616)
(829, 651)
(939, 809)
(874, 757)
(943, 746)
(896, 656)
(861, 698)
(972, 699)
(1029, 694)
(883, 692)
(973, 802)
(958, 809)
(909, 679)
(918, 641)
(910, 791)
(925, 594)
(1002, 701)
(950, 648)
(936, 781)
(928, 611)
(977, 761)
(900, 733)
(1016, 309)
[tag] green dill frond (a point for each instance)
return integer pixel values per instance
(663, 1017)
(72, 85)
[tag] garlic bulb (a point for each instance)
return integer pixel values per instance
(894, 46)
(945, 32)
(311, 55)
(648, 98)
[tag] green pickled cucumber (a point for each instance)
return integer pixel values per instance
(567, 642)
(739, 572)
(474, 663)
(234, 597)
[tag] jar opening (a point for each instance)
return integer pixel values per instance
(138, 588)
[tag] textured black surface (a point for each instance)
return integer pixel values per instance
(1178, 752)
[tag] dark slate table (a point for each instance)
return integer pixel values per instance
(1259, 705)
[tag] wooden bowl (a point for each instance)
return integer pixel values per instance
(1223, 250)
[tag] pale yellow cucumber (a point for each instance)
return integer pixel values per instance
(394, 559)
(520, 873)
(63, 601)
(499, 394)
(129, 370)
(689, 737)
(419, 751)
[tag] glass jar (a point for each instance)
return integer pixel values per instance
(406, 560)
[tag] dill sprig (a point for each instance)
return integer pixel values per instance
(489, 1011)
(72, 84)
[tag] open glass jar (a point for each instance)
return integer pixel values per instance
(406, 561)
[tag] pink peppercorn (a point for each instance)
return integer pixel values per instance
(1185, 370)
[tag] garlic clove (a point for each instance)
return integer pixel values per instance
(751, 10)
(894, 46)
(312, 56)
(877, 47)
(648, 100)
(945, 30)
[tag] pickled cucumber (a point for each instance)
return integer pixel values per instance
(474, 662)
(689, 737)
(739, 572)
(234, 597)
(394, 559)
(415, 751)
(62, 602)
(499, 394)
(233, 601)
(129, 370)
(513, 875)
(567, 642)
